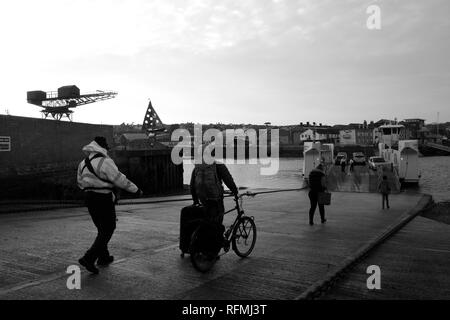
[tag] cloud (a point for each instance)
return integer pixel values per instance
(230, 61)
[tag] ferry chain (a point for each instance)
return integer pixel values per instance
(48, 205)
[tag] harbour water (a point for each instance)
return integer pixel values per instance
(435, 178)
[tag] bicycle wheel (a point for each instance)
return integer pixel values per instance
(244, 237)
(201, 260)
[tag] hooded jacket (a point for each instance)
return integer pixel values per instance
(106, 169)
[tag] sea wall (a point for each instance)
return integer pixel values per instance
(43, 156)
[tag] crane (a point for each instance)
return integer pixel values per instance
(58, 104)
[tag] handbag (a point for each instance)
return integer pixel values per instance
(324, 198)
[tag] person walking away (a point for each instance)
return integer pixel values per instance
(206, 188)
(97, 176)
(384, 189)
(317, 183)
(343, 165)
(352, 164)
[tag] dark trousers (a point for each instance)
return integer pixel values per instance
(385, 199)
(314, 199)
(103, 213)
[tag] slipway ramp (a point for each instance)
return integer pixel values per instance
(362, 179)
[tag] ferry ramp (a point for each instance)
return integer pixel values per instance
(291, 259)
(362, 179)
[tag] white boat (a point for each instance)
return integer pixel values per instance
(402, 154)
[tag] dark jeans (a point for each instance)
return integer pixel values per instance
(385, 199)
(103, 213)
(313, 198)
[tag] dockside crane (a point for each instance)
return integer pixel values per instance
(58, 104)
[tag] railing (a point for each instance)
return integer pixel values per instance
(437, 146)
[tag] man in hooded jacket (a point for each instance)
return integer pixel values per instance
(97, 176)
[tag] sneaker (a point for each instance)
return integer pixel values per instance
(105, 261)
(311, 223)
(88, 265)
(324, 220)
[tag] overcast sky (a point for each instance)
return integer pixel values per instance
(239, 61)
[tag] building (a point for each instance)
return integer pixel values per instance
(320, 134)
(356, 136)
(413, 127)
(347, 137)
(364, 137)
(296, 135)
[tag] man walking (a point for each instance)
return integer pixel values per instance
(316, 184)
(97, 176)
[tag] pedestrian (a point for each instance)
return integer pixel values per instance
(98, 176)
(317, 184)
(343, 165)
(384, 188)
(352, 164)
(206, 187)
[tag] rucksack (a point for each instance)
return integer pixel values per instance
(207, 183)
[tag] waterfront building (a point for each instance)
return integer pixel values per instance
(356, 136)
(320, 134)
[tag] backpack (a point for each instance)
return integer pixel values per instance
(207, 183)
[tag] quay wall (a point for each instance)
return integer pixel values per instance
(44, 155)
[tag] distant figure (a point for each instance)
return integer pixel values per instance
(343, 165)
(352, 165)
(317, 184)
(97, 177)
(384, 189)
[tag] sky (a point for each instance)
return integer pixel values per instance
(230, 61)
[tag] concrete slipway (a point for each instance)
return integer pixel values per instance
(291, 259)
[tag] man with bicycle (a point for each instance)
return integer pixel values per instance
(206, 187)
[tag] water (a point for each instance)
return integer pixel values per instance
(435, 178)
(248, 175)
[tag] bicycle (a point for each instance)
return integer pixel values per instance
(240, 236)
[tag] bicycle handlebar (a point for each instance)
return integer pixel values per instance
(248, 194)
